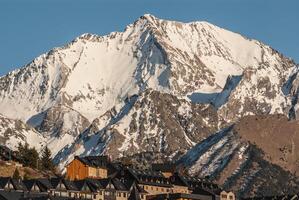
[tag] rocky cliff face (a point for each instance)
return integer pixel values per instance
(162, 88)
(256, 156)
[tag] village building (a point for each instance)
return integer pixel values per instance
(94, 178)
(167, 169)
(63, 188)
(87, 167)
(227, 195)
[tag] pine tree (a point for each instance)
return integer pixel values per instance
(46, 160)
(28, 156)
(16, 174)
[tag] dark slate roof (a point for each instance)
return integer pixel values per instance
(140, 189)
(203, 183)
(82, 185)
(4, 181)
(94, 161)
(118, 185)
(155, 184)
(29, 184)
(164, 167)
(55, 182)
(104, 182)
(69, 185)
(131, 175)
(174, 196)
(43, 184)
(18, 184)
(129, 183)
(202, 192)
(95, 184)
(177, 179)
(134, 194)
(114, 168)
(148, 173)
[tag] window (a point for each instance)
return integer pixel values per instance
(224, 196)
(125, 195)
(231, 197)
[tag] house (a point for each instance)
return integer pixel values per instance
(88, 189)
(94, 178)
(227, 195)
(167, 169)
(7, 183)
(137, 193)
(114, 189)
(150, 181)
(38, 185)
(87, 167)
(206, 194)
(178, 196)
(63, 188)
(180, 184)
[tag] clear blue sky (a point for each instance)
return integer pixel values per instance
(29, 28)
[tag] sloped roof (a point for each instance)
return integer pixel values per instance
(134, 195)
(202, 192)
(43, 184)
(118, 185)
(4, 181)
(177, 179)
(94, 161)
(18, 184)
(69, 185)
(164, 167)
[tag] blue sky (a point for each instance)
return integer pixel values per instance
(29, 28)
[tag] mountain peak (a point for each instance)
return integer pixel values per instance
(149, 16)
(153, 87)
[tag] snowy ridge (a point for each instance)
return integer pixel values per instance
(13, 132)
(159, 86)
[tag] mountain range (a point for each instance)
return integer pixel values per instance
(219, 104)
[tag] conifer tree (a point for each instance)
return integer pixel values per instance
(46, 160)
(28, 156)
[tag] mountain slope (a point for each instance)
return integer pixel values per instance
(240, 159)
(160, 87)
(13, 132)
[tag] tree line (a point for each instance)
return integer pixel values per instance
(29, 157)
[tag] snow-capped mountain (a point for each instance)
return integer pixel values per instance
(159, 86)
